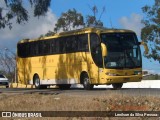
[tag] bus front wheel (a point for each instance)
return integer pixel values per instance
(117, 85)
(86, 82)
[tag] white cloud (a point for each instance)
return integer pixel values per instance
(132, 22)
(32, 29)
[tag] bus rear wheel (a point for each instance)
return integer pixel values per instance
(64, 86)
(86, 83)
(117, 85)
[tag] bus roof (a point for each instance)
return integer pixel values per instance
(79, 31)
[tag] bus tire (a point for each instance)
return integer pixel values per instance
(37, 82)
(64, 86)
(117, 85)
(86, 83)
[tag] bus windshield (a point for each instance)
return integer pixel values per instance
(123, 50)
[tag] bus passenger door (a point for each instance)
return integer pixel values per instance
(96, 58)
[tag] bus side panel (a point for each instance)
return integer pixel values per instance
(70, 66)
(23, 70)
(61, 65)
(37, 63)
(80, 64)
(49, 70)
(66, 68)
(20, 70)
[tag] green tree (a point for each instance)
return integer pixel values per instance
(69, 20)
(92, 20)
(49, 33)
(151, 31)
(72, 19)
(18, 9)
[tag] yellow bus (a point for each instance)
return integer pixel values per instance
(89, 56)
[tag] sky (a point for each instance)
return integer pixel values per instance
(125, 14)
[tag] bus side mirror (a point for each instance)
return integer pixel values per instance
(145, 47)
(104, 49)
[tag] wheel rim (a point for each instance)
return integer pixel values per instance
(85, 82)
(37, 82)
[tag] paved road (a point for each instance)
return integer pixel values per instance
(80, 91)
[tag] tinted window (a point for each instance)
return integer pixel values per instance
(52, 46)
(46, 47)
(21, 50)
(71, 44)
(57, 46)
(83, 42)
(36, 49)
(74, 43)
(31, 49)
(62, 45)
(96, 50)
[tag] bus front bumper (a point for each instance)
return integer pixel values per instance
(120, 79)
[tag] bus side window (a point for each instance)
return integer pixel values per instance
(52, 46)
(62, 45)
(83, 43)
(27, 49)
(70, 44)
(31, 49)
(46, 47)
(21, 50)
(40, 47)
(57, 46)
(24, 49)
(74, 44)
(35, 48)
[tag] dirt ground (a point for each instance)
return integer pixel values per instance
(62, 102)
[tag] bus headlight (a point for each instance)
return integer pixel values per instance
(111, 74)
(137, 72)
